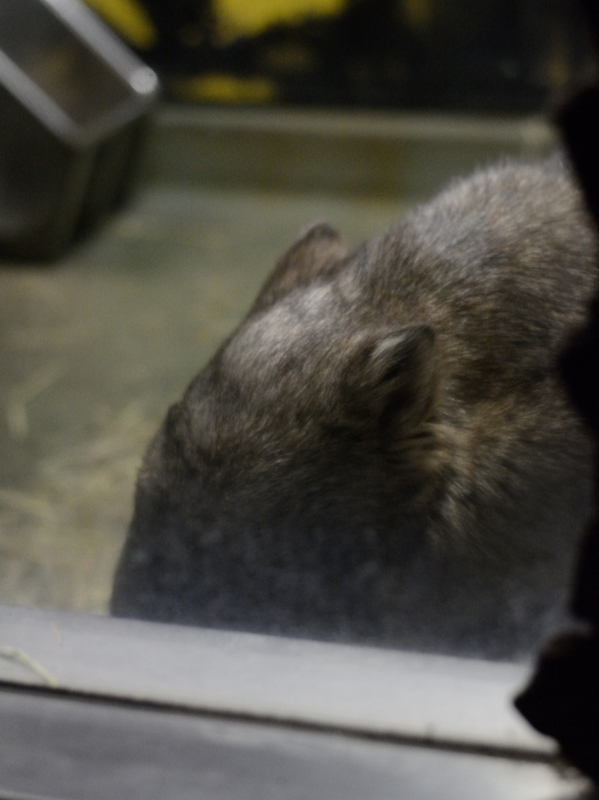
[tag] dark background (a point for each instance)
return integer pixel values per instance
(464, 55)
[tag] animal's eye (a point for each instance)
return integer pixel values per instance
(177, 433)
(185, 440)
(173, 420)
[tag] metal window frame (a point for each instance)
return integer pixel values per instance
(109, 698)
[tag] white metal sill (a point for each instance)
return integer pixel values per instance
(437, 699)
(308, 712)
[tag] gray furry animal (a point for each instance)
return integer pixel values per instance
(382, 452)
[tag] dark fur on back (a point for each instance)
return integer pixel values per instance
(382, 451)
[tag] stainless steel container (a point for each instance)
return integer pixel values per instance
(72, 104)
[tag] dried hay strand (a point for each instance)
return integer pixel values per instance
(59, 541)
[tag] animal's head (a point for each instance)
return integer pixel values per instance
(296, 462)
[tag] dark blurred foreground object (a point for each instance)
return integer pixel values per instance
(563, 698)
(72, 102)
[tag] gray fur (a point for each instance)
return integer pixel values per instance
(382, 451)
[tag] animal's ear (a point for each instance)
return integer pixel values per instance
(318, 250)
(394, 377)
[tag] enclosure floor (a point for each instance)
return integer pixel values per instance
(94, 347)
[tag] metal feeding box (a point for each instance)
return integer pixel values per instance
(72, 102)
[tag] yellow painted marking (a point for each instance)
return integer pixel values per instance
(129, 19)
(222, 88)
(243, 18)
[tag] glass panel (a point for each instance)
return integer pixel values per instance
(95, 348)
